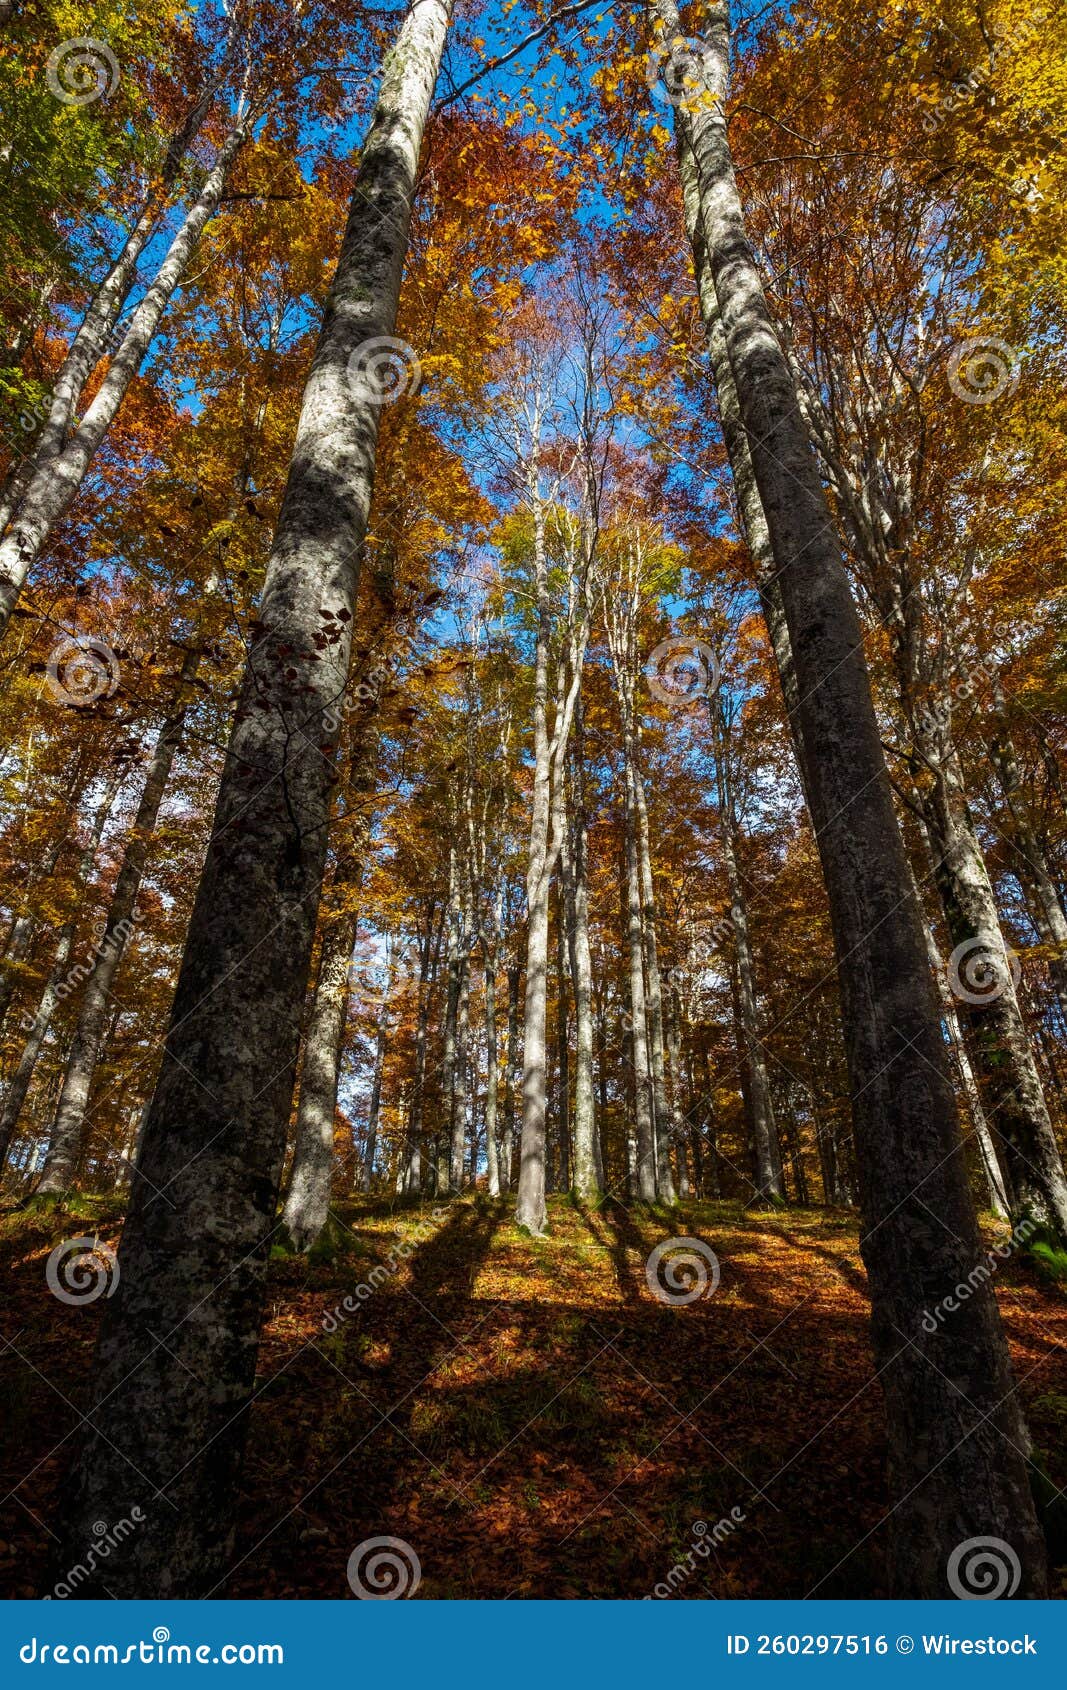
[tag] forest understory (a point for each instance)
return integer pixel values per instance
(527, 1415)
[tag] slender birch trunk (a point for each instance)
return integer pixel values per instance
(563, 1064)
(89, 344)
(657, 1042)
(1031, 862)
(68, 1128)
(511, 1079)
(492, 1160)
(998, 1198)
(985, 985)
(23, 931)
(644, 1111)
(530, 1204)
(307, 1202)
(429, 961)
(575, 871)
(957, 1439)
(764, 1129)
(55, 989)
(57, 482)
(381, 1040)
(194, 1251)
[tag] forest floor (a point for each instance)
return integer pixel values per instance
(525, 1413)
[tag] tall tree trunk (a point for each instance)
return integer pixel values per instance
(575, 870)
(1030, 861)
(679, 1132)
(563, 1065)
(511, 1080)
(461, 1114)
(657, 1042)
(381, 1040)
(429, 961)
(998, 1198)
(764, 1129)
(53, 992)
(89, 343)
(58, 479)
(984, 984)
(307, 1202)
(957, 1440)
(450, 1055)
(24, 928)
(491, 1075)
(68, 1128)
(644, 1114)
(530, 1196)
(753, 519)
(195, 1246)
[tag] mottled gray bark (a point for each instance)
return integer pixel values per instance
(429, 962)
(492, 1158)
(984, 983)
(749, 505)
(307, 1202)
(769, 1181)
(575, 872)
(644, 1171)
(656, 1037)
(530, 1195)
(957, 1441)
(512, 1079)
(1030, 861)
(998, 1198)
(176, 1359)
(374, 1107)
